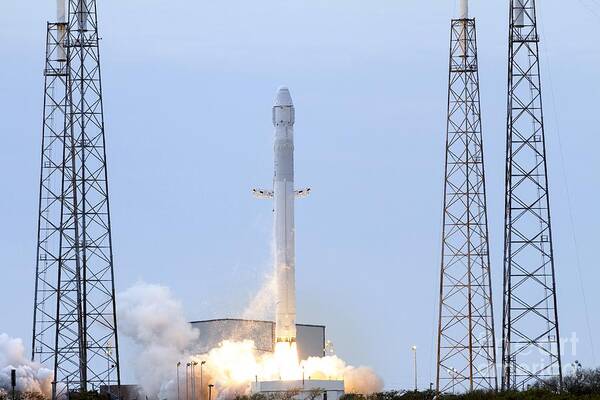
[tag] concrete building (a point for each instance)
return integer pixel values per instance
(310, 338)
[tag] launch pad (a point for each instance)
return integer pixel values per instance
(303, 389)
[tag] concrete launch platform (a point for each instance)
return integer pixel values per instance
(306, 389)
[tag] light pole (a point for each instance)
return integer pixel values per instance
(210, 391)
(201, 381)
(414, 349)
(178, 365)
(194, 363)
(303, 377)
(187, 385)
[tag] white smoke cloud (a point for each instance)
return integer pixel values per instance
(31, 377)
(155, 321)
(262, 305)
(361, 380)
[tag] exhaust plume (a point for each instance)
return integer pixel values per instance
(31, 377)
(155, 321)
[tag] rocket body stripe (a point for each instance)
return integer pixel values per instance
(284, 231)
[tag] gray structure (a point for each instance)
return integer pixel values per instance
(310, 338)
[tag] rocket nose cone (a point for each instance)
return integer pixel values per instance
(283, 98)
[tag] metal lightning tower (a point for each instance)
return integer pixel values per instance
(466, 346)
(75, 324)
(530, 335)
(50, 201)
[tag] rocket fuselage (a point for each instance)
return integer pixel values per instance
(284, 230)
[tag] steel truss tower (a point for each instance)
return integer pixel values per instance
(530, 335)
(75, 275)
(50, 204)
(466, 345)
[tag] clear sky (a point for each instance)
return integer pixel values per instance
(188, 89)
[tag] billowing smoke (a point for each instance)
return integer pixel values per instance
(31, 377)
(356, 379)
(155, 321)
(150, 316)
(262, 305)
(361, 380)
(232, 366)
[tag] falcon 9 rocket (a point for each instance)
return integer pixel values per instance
(283, 195)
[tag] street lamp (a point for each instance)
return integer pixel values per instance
(414, 349)
(201, 381)
(194, 363)
(187, 385)
(210, 391)
(178, 365)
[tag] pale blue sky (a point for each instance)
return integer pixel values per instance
(188, 89)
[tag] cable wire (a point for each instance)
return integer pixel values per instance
(546, 55)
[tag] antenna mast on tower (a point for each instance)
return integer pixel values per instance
(466, 349)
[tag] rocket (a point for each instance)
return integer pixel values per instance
(284, 195)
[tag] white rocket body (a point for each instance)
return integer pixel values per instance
(284, 230)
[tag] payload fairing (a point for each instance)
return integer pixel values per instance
(284, 195)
